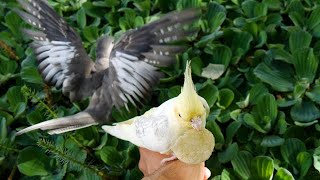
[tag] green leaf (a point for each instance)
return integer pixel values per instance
(196, 66)
(262, 39)
(103, 142)
(8, 117)
(306, 64)
(264, 114)
(110, 156)
(304, 112)
(239, 42)
(232, 130)
(229, 153)
(267, 107)
(281, 54)
(90, 33)
(138, 22)
(7, 67)
(304, 161)
(299, 39)
(283, 174)
(207, 38)
(225, 98)
(106, 3)
(76, 153)
(35, 117)
(174, 91)
(275, 76)
(216, 15)
(12, 22)
(210, 93)
(316, 159)
(33, 162)
(314, 20)
(226, 175)
(31, 75)
(81, 18)
(253, 8)
(300, 89)
(256, 91)
(15, 96)
(142, 5)
(221, 55)
(296, 6)
(281, 126)
(262, 168)
(216, 131)
(19, 109)
(250, 120)
(273, 4)
(272, 141)
(184, 4)
(3, 128)
(297, 19)
(291, 148)
(314, 94)
(89, 174)
(241, 164)
(213, 71)
(244, 103)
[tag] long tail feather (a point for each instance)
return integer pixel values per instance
(64, 124)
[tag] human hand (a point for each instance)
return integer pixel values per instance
(151, 167)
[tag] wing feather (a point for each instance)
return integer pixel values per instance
(58, 48)
(137, 55)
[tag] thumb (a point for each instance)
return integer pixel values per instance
(207, 173)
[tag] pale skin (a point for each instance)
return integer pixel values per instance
(152, 168)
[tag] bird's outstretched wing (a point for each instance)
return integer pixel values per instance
(132, 70)
(62, 60)
(136, 56)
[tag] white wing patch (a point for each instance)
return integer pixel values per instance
(54, 57)
(133, 77)
(153, 132)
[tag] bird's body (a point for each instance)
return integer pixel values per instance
(156, 125)
(125, 71)
(175, 127)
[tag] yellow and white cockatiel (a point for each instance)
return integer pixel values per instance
(176, 127)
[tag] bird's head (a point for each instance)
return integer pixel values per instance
(104, 47)
(191, 109)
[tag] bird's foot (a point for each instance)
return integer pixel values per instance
(173, 157)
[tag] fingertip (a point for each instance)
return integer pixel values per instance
(207, 173)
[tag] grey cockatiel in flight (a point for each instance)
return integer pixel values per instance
(125, 71)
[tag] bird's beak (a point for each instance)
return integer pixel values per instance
(196, 123)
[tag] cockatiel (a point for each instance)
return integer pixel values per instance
(124, 71)
(176, 127)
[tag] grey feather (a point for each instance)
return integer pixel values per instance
(35, 35)
(79, 119)
(158, 60)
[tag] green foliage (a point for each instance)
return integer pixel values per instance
(255, 62)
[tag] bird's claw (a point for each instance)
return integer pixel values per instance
(163, 161)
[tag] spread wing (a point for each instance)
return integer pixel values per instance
(62, 60)
(136, 56)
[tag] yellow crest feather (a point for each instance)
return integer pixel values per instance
(189, 104)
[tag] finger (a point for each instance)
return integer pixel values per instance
(150, 161)
(207, 173)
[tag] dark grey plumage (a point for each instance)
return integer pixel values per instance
(124, 72)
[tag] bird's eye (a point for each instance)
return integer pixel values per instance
(179, 115)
